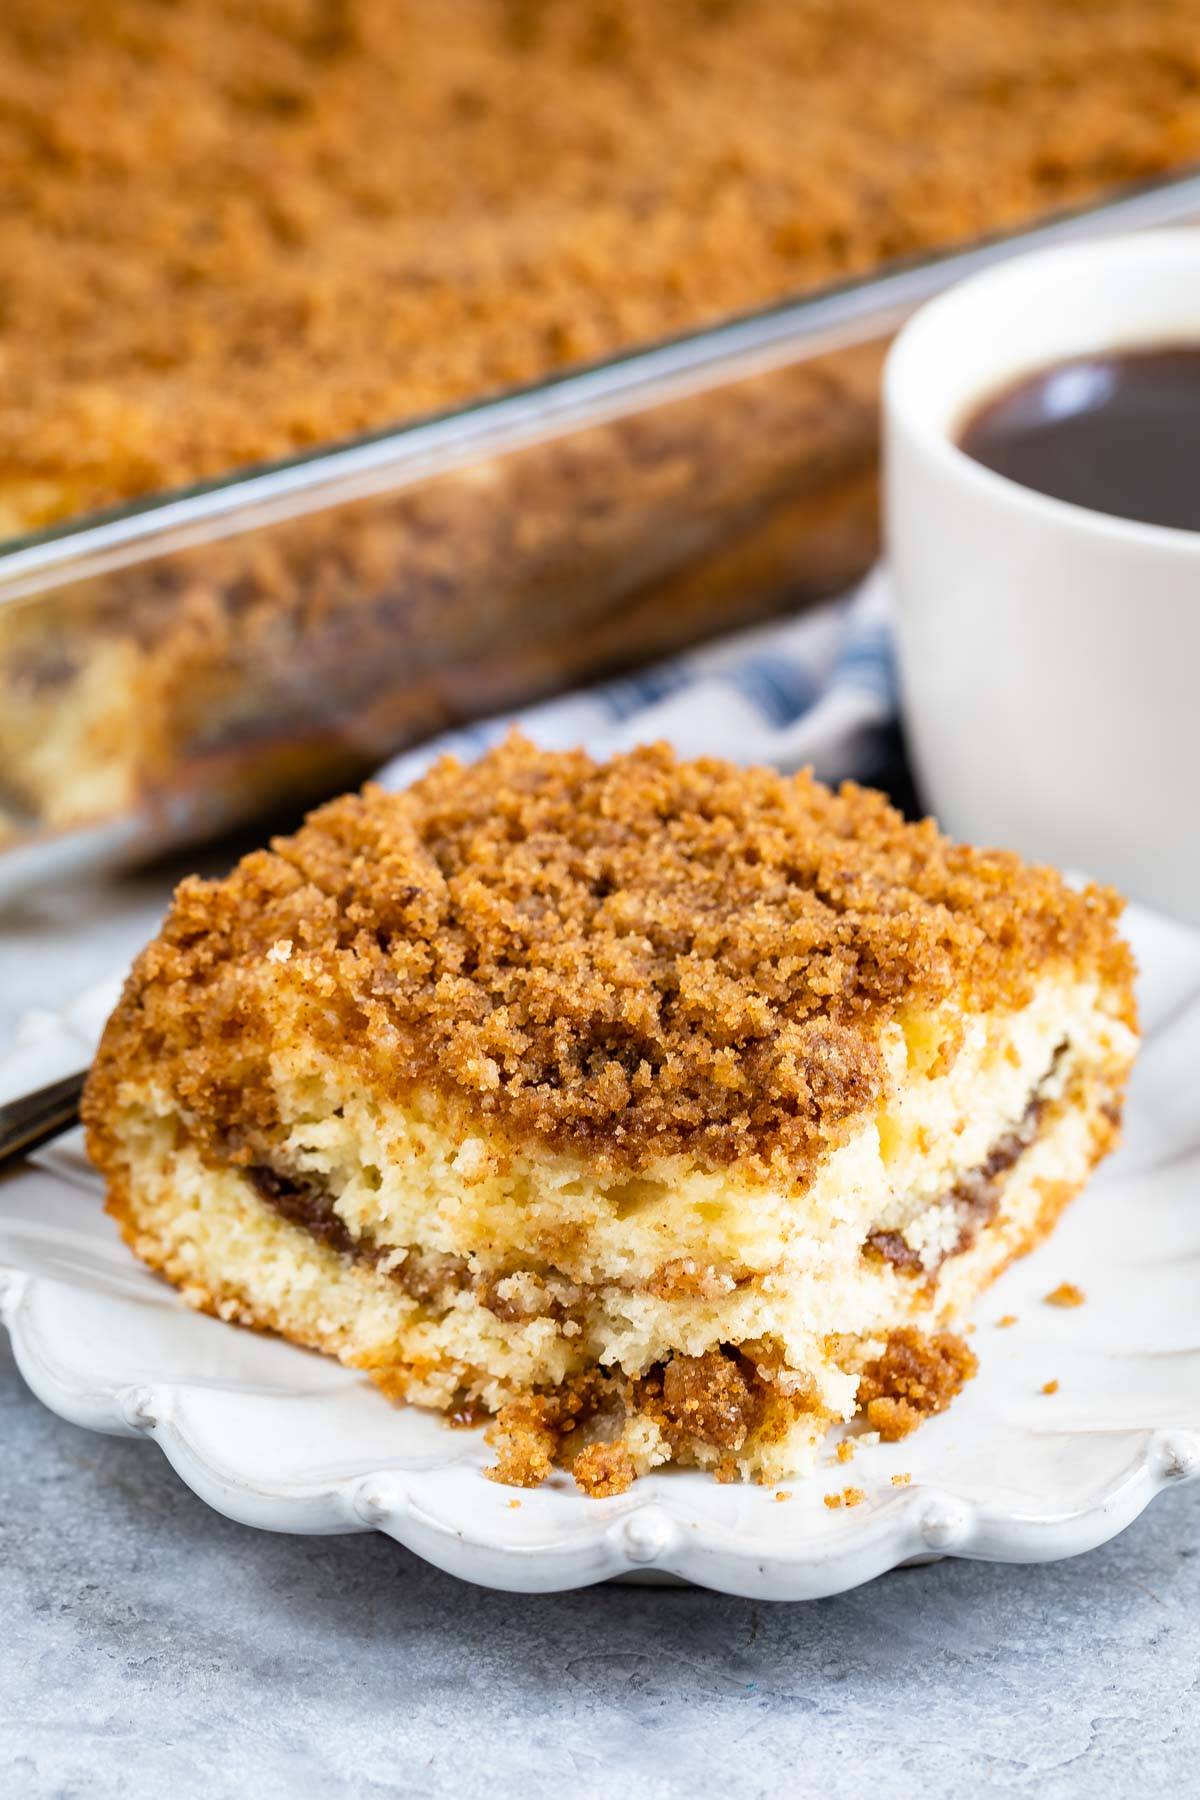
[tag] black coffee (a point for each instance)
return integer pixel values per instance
(1119, 433)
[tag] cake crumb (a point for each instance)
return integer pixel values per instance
(851, 1496)
(513, 1505)
(1050, 1387)
(915, 1377)
(604, 1470)
(524, 1442)
(901, 1480)
(784, 1494)
(1005, 1320)
(280, 951)
(845, 1451)
(1066, 1294)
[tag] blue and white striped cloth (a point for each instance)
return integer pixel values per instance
(818, 689)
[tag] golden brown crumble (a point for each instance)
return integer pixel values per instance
(534, 1431)
(525, 1441)
(711, 1397)
(1005, 1321)
(916, 1376)
(232, 232)
(845, 1451)
(1066, 1294)
(628, 959)
(718, 1400)
(851, 1496)
(904, 1479)
(603, 1470)
(1050, 1387)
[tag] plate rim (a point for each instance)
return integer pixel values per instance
(631, 1536)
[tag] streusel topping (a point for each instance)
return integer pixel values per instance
(630, 959)
(234, 231)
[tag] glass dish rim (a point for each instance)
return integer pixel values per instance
(394, 456)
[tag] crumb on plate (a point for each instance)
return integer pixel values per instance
(1066, 1294)
(851, 1496)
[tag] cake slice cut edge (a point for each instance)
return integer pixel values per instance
(663, 1112)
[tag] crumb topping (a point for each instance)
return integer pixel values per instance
(1050, 1387)
(915, 1377)
(719, 1400)
(604, 1470)
(711, 1397)
(525, 1438)
(1066, 1294)
(629, 959)
(232, 232)
(851, 1496)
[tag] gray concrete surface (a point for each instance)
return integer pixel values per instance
(150, 1647)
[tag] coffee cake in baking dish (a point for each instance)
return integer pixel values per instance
(239, 233)
(232, 232)
(668, 1110)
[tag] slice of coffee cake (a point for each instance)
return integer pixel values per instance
(667, 1109)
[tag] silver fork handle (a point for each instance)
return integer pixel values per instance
(33, 1118)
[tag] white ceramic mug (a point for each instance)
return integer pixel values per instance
(1049, 655)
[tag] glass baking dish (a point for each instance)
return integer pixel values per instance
(174, 667)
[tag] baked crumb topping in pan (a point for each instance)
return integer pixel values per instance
(233, 232)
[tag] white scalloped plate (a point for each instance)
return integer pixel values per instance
(275, 1437)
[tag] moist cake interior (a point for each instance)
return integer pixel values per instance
(670, 1111)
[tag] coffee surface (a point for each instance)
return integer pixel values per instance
(1117, 433)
